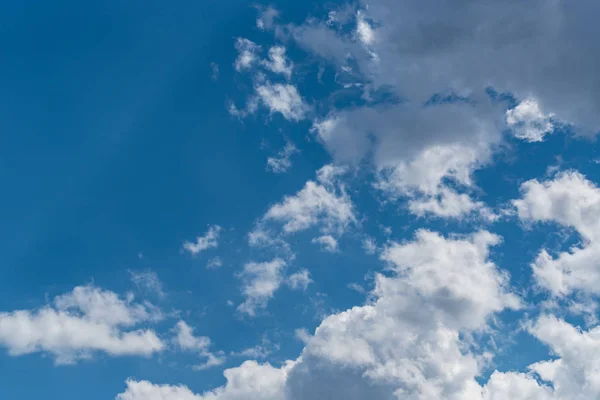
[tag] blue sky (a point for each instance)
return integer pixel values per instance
(290, 201)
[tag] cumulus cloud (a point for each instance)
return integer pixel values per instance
(79, 324)
(318, 203)
(210, 240)
(260, 282)
(406, 342)
(185, 340)
(528, 121)
(249, 381)
(572, 201)
(439, 62)
(417, 151)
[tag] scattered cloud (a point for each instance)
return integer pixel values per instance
(282, 162)
(214, 263)
(278, 62)
(247, 54)
(299, 280)
(572, 201)
(260, 282)
(210, 240)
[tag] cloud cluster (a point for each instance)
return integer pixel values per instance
(573, 202)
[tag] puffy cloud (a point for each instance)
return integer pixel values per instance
(572, 201)
(260, 282)
(208, 241)
(327, 242)
(278, 62)
(439, 62)
(186, 340)
(528, 121)
(417, 150)
(299, 280)
(282, 162)
(80, 323)
(249, 381)
(282, 98)
(317, 203)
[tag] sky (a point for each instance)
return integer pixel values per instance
(341, 200)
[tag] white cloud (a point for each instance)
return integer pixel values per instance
(528, 121)
(249, 381)
(278, 62)
(369, 245)
(327, 242)
(299, 280)
(247, 54)
(572, 201)
(416, 152)
(260, 282)
(79, 324)
(364, 31)
(186, 340)
(282, 162)
(282, 98)
(210, 240)
(315, 204)
(406, 343)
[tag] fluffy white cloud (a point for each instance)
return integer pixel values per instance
(281, 163)
(528, 121)
(249, 381)
(299, 280)
(417, 151)
(260, 282)
(278, 62)
(282, 98)
(318, 203)
(210, 240)
(572, 201)
(79, 324)
(186, 340)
